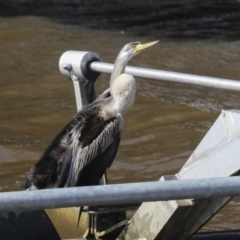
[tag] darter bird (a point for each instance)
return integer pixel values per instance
(80, 154)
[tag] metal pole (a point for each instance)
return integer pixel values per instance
(77, 90)
(119, 193)
(168, 76)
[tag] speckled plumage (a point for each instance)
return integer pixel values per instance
(77, 156)
(86, 147)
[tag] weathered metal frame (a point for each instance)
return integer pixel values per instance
(217, 155)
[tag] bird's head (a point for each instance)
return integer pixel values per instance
(128, 51)
(132, 49)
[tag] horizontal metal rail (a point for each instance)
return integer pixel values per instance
(168, 76)
(119, 194)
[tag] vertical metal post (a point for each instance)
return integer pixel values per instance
(84, 91)
(77, 91)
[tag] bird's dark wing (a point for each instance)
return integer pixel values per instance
(71, 141)
(45, 172)
(84, 163)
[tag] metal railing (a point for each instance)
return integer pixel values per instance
(168, 76)
(120, 193)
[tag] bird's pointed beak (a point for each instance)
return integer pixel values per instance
(140, 47)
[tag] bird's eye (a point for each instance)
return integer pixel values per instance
(134, 44)
(131, 46)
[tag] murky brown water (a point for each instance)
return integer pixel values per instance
(164, 127)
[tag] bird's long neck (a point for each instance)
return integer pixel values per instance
(122, 97)
(119, 68)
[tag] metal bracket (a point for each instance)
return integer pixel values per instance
(105, 226)
(75, 66)
(108, 221)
